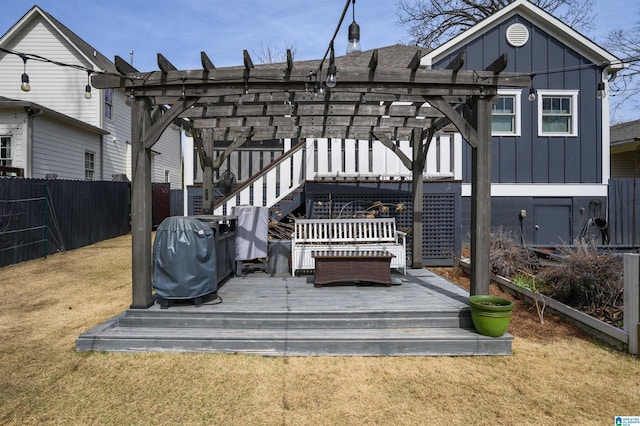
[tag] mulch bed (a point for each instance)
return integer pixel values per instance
(524, 320)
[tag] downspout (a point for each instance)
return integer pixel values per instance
(31, 114)
(102, 157)
(606, 138)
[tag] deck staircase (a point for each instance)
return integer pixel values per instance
(423, 315)
(278, 186)
(288, 204)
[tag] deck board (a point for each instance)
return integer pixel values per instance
(421, 314)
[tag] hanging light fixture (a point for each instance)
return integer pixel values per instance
(353, 46)
(532, 94)
(601, 93)
(131, 97)
(87, 89)
(25, 86)
(331, 74)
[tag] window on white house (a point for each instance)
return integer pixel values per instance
(108, 103)
(5, 151)
(505, 114)
(167, 176)
(557, 112)
(89, 165)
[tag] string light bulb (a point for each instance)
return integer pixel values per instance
(601, 93)
(532, 94)
(87, 89)
(25, 86)
(332, 80)
(353, 45)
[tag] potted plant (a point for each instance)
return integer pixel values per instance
(490, 314)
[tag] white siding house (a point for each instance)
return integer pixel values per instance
(44, 143)
(61, 89)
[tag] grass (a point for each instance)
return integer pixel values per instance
(553, 377)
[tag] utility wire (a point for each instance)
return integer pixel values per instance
(630, 61)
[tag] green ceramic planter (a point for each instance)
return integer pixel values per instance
(490, 314)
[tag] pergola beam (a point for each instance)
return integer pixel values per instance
(273, 77)
(207, 64)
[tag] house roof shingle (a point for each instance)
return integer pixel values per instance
(625, 132)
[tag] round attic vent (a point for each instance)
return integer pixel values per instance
(517, 35)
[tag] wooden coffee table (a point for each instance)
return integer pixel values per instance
(352, 266)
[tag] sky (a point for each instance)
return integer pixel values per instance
(181, 29)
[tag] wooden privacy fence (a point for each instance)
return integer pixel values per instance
(624, 212)
(39, 217)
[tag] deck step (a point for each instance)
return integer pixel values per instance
(294, 320)
(424, 315)
(297, 342)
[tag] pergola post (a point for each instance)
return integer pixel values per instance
(417, 194)
(481, 199)
(141, 222)
(207, 172)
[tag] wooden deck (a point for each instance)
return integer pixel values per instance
(422, 314)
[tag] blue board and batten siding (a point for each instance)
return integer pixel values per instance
(530, 158)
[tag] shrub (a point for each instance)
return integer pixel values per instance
(507, 258)
(585, 279)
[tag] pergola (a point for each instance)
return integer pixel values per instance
(379, 95)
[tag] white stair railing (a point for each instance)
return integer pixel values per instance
(271, 184)
(322, 158)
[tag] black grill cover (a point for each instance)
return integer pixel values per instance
(184, 259)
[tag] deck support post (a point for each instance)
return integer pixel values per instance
(481, 198)
(207, 172)
(141, 221)
(417, 193)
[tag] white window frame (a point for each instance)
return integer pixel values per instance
(91, 170)
(573, 94)
(7, 161)
(517, 102)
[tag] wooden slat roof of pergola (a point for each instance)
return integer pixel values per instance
(380, 92)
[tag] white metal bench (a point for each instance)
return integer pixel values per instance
(346, 235)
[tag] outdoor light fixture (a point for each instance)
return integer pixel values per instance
(353, 46)
(532, 94)
(131, 97)
(25, 86)
(87, 89)
(601, 93)
(331, 74)
(318, 90)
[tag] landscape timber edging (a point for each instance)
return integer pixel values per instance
(600, 330)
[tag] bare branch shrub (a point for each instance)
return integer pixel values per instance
(507, 257)
(586, 280)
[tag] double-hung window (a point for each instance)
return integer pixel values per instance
(89, 165)
(5, 151)
(505, 114)
(108, 103)
(557, 113)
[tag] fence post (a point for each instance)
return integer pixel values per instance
(44, 223)
(631, 316)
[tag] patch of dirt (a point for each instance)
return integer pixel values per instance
(524, 319)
